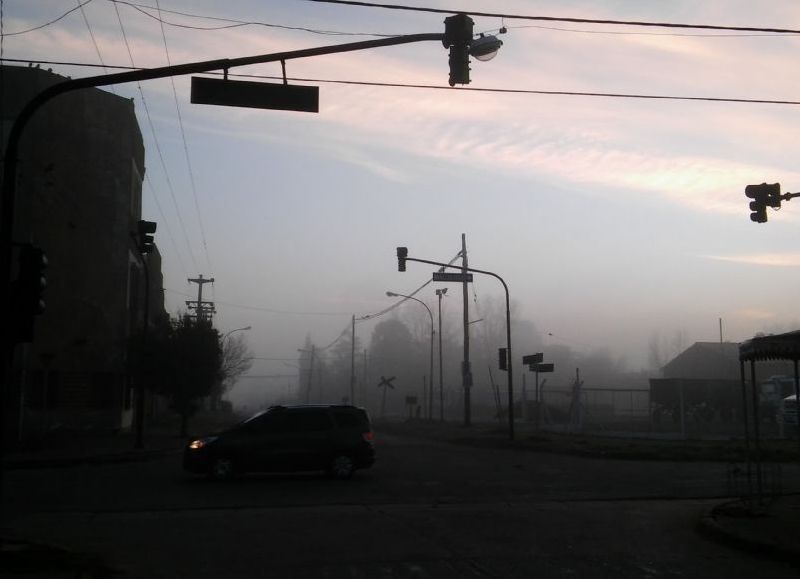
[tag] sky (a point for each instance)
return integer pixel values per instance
(612, 220)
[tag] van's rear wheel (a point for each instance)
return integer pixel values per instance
(342, 467)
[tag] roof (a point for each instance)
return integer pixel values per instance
(696, 360)
(778, 347)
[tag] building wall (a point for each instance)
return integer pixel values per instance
(81, 166)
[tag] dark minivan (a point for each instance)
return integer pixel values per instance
(336, 439)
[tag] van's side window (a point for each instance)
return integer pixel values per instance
(305, 421)
(347, 419)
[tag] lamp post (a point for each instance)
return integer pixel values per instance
(439, 294)
(430, 374)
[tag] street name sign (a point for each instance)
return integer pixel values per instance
(257, 95)
(540, 368)
(533, 358)
(450, 276)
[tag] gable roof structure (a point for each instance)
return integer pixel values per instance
(705, 360)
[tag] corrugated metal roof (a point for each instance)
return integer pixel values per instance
(778, 347)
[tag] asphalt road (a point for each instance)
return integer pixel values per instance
(425, 510)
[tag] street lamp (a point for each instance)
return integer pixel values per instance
(430, 374)
(485, 47)
(226, 334)
(439, 294)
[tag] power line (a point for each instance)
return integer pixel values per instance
(51, 22)
(160, 156)
(460, 89)
(398, 303)
(629, 33)
(94, 40)
(339, 337)
(281, 312)
(164, 220)
(536, 92)
(185, 147)
(233, 23)
(561, 19)
(264, 309)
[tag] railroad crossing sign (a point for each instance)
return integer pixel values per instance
(387, 382)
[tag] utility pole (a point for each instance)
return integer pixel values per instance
(203, 310)
(439, 294)
(310, 374)
(466, 371)
(364, 381)
(353, 364)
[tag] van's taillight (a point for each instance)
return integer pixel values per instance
(368, 436)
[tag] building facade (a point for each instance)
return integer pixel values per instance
(79, 197)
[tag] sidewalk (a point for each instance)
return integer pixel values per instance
(20, 557)
(71, 448)
(772, 532)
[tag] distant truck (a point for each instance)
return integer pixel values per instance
(779, 398)
(773, 392)
(787, 416)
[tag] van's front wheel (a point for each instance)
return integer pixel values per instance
(222, 469)
(342, 467)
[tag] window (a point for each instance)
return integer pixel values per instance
(310, 420)
(349, 420)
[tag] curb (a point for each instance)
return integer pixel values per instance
(89, 460)
(25, 558)
(709, 525)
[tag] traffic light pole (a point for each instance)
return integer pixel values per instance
(403, 257)
(140, 383)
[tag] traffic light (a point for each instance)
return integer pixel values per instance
(27, 291)
(402, 254)
(145, 230)
(458, 38)
(773, 194)
(764, 195)
(502, 355)
(759, 211)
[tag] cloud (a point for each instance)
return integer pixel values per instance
(692, 155)
(755, 314)
(766, 259)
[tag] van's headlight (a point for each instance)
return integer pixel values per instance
(202, 442)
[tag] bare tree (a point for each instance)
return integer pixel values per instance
(236, 360)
